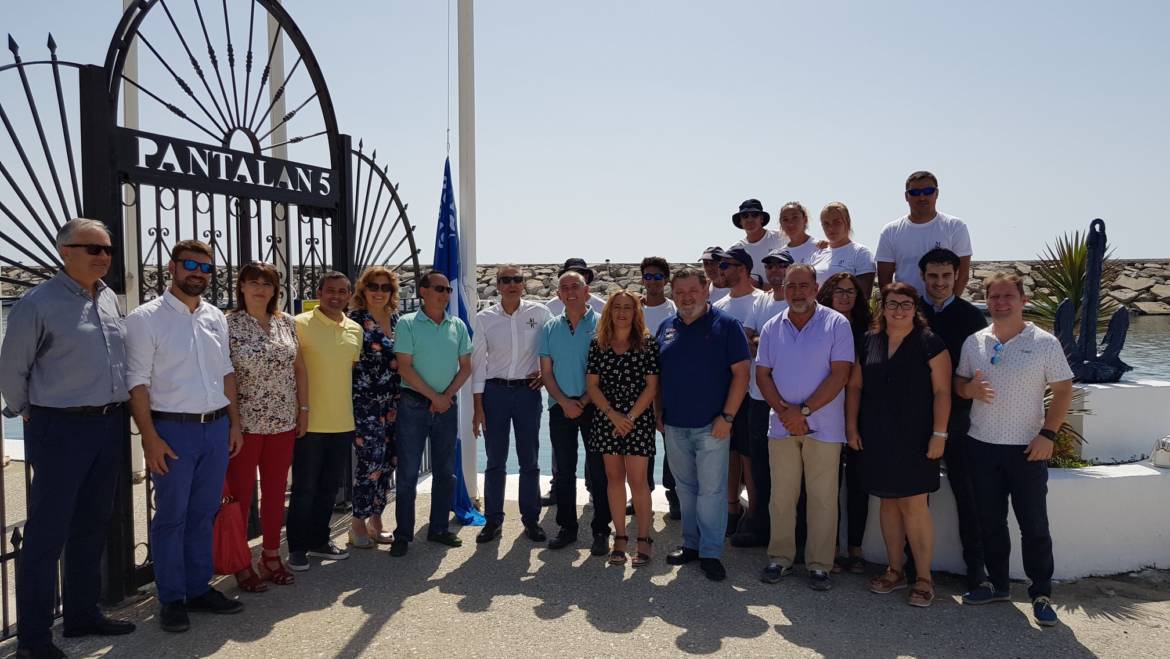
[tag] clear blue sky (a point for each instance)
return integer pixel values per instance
(618, 128)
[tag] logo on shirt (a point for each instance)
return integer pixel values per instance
(531, 323)
(669, 334)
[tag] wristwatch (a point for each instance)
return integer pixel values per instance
(1047, 434)
(730, 418)
(804, 409)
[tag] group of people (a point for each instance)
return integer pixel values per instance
(763, 370)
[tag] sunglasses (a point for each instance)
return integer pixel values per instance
(845, 292)
(918, 192)
(191, 265)
(723, 265)
(653, 276)
(94, 249)
(384, 288)
(439, 289)
(747, 214)
(998, 356)
(510, 279)
(891, 305)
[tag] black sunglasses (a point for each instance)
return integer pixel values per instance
(745, 214)
(918, 192)
(439, 289)
(94, 249)
(385, 288)
(510, 279)
(191, 265)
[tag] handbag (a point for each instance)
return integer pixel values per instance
(229, 540)
(1160, 455)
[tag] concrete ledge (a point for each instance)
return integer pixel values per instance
(1125, 419)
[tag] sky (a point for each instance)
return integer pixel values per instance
(617, 129)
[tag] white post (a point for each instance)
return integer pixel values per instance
(282, 230)
(131, 222)
(467, 278)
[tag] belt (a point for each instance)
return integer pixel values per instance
(509, 383)
(206, 417)
(415, 394)
(84, 410)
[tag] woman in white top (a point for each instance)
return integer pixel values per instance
(794, 223)
(842, 254)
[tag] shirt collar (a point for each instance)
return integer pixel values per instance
(321, 317)
(178, 305)
(422, 315)
(937, 308)
(817, 307)
(71, 283)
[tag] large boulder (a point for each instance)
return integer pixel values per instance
(1153, 308)
(1161, 292)
(1124, 295)
(1138, 284)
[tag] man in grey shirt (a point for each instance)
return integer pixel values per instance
(63, 369)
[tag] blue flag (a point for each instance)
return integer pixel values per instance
(446, 261)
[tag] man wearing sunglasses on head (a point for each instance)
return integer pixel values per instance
(183, 398)
(63, 369)
(506, 383)
(904, 241)
(1006, 369)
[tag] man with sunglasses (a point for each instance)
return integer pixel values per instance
(656, 307)
(1005, 369)
(183, 398)
(716, 289)
(63, 369)
(904, 241)
(757, 241)
(506, 384)
(434, 359)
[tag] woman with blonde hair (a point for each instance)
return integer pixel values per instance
(842, 254)
(622, 380)
(375, 403)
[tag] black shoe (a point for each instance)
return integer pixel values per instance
(732, 523)
(214, 601)
(445, 538)
(564, 538)
(600, 546)
(682, 556)
(713, 568)
(49, 651)
(535, 533)
(329, 551)
(398, 548)
(103, 626)
(173, 617)
(748, 539)
(675, 512)
(489, 532)
(819, 580)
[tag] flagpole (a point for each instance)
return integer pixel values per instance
(467, 277)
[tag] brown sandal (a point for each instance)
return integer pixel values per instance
(641, 558)
(890, 581)
(922, 597)
(276, 572)
(618, 557)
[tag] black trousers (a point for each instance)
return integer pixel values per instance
(1001, 472)
(318, 468)
(959, 475)
(856, 512)
(563, 432)
(758, 415)
(75, 461)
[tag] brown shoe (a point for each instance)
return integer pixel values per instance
(889, 582)
(922, 597)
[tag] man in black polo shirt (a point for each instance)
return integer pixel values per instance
(953, 319)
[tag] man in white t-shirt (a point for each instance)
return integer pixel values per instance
(904, 241)
(757, 240)
(736, 265)
(595, 302)
(656, 307)
(716, 289)
(1005, 369)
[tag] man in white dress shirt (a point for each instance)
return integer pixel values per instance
(595, 302)
(183, 395)
(757, 241)
(904, 241)
(506, 383)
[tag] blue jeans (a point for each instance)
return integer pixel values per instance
(506, 408)
(416, 423)
(187, 498)
(699, 463)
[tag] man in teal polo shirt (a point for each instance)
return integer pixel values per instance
(434, 360)
(564, 347)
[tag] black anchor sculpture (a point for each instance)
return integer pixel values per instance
(1087, 364)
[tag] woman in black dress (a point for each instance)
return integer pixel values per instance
(622, 380)
(896, 407)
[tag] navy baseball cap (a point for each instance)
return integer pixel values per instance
(779, 256)
(736, 254)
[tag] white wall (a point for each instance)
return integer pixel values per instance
(1125, 419)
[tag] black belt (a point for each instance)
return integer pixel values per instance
(509, 383)
(83, 410)
(206, 417)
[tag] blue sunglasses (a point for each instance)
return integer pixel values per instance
(191, 265)
(918, 192)
(653, 276)
(998, 356)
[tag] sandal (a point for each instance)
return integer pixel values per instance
(919, 596)
(251, 583)
(890, 581)
(618, 557)
(277, 573)
(641, 558)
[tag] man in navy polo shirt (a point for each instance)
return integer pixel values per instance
(705, 370)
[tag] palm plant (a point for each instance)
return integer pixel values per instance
(1060, 274)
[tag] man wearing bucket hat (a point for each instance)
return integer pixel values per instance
(714, 274)
(757, 240)
(596, 302)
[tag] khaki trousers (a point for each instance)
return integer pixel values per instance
(818, 462)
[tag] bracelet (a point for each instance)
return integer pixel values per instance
(940, 434)
(1050, 435)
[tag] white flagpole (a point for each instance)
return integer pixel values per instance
(467, 275)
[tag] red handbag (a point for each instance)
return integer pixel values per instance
(229, 539)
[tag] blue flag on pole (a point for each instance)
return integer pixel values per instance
(446, 261)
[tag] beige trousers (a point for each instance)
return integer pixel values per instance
(818, 462)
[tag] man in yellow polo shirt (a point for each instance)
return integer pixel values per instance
(434, 360)
(330, 343)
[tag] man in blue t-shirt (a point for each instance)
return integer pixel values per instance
(705, 371)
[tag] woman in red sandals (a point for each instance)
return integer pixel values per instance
(896, 410)
(273, 395)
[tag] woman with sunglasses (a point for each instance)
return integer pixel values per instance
(375, 403)
(896, 410)
(621, 377)
(841, 292)
(842, 254)
(273, 395)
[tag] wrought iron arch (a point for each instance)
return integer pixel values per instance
(377, 241)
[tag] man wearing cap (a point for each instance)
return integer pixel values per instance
(715, 287)
(736, 265)
(596, 302)
(757, 241)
